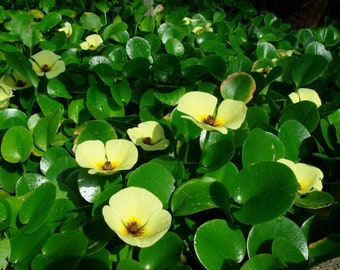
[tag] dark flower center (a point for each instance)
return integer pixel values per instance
(20, 83)
(107, 166)
(45, 68)
(210, 120)
(134, 229)
(147, 140)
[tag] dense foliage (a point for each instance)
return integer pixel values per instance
(81, 75)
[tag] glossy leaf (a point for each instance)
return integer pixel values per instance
(16, 144)
(165, 253)
(238, 86)
(35, 209)
(266, 188)
(261, 146)
(155, 178)
(12, 117)
(264, 262)
(315, 200)
(197, 195)
(210, 244)
(261, 237)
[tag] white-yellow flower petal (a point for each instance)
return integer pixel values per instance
(123, 154)
(231, 113)
(91, 154)
(48, 63)
(56, 69)
(149, 135)
(5, 95)
(309, 177)
(197, 105)
(305, 94)
(138, 206)
(45, 57)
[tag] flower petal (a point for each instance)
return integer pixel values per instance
(45, 57)
(198, 105)
(56, 69)
(121, 153)
(90, 153)
(160, 145)
(309, 94)
(308, 177)
(84, 45)
(231, 113)
(135, 135)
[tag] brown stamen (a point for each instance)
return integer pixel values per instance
(147, 140)
(134, 229)
(20, 83)
(45, 68)
(107, 166)
(210, 120)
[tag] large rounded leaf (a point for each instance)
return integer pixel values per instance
(197, 195)
(261, 237)
(218, 244)
(307, 68)
(12, 117)
(155, 178)
(294, 135)
(35, 210)
(137, 47)
(305, 112)
(16, 144)
(264, 262)
(264, 191)
(261, 146)
(61, 251)
(315, 200)
(238, 86)
(164, 254)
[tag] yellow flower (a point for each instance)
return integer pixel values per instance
(137, 216)
(115, 155)
(149, 135)
(201, 29)
(305, 94)
(188, 21)
(48, 63)
(92, 42)
(309, 177)
(200, 107)
(5, 95)
(15, 81)
(67, 29)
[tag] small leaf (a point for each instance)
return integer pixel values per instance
(16, 144)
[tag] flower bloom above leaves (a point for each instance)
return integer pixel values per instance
(47, 63)
(115, 155)
(149, 135)
(305, 94)
(91, 42)
(137, 216)
(15, 81)
(5, 95)
(309, 177)
(201, 108)
(67, 29)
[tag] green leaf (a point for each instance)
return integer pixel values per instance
(12, 117)
(216, 65)
(197, 195)
(266, 188)
(20, 254)
(91, 21)
(294, 136)
(304, 111)
(46, 130)
(174, 46)
(20, 63)
(315, 200)
(61, 251)
(34, 211)
(50, 20)
(147, 24)
(155, 178)
(95, 130)
(164, 254)
(29, 182)
(55, 88)
(307, 68)
(265, 50)
(174, 165)
(5, 252)
(16, 144)
(137, 67)
(261, 146)
(48, 105)
(264, 262)
(46, 5)
(50, 156)
(210, 244)
(137, 47)
(129, 264)
(238, 86)
(261, 237)
(114, 29)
